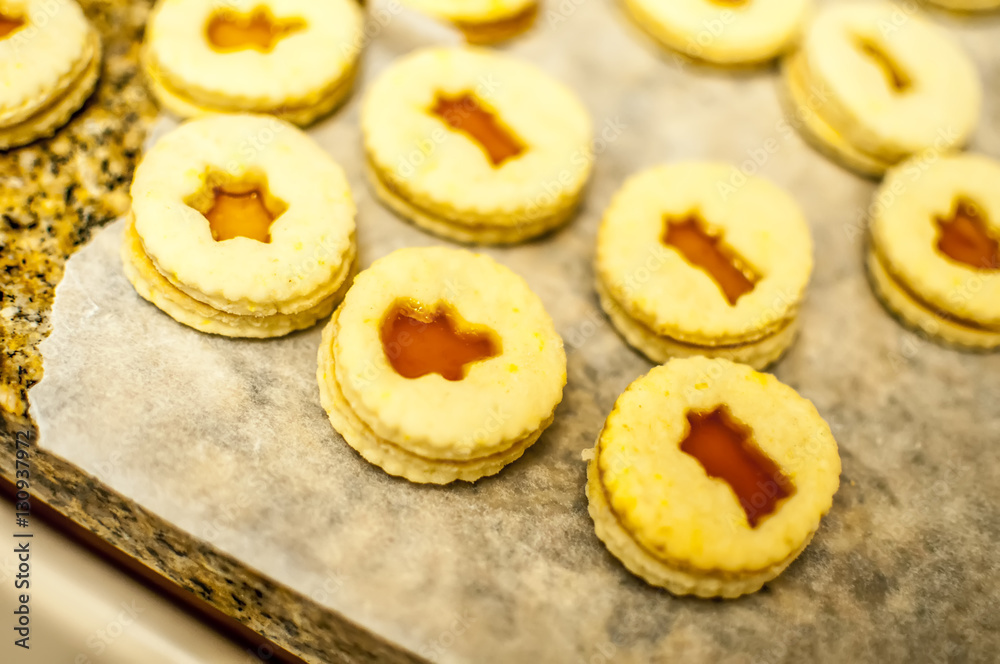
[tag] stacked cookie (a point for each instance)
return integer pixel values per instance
(684, 270)
(482, 21)
(873, 85)
(50, 60)
(296, 59)
(474, 146)
(238, 242)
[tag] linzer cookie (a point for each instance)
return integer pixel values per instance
(295, 59)
(723, 32)
(237, 242)
(50, 60)
(871, 96)
(709, 478)
(934, 255)
(687, 264)
(475, 146)
(482, 21)
(440, 365)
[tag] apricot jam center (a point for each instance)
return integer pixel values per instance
(709, 253)
(965, 237)
(725, 450)
(420, 340)
(9, 24)
(260, 30)
(464, 113)
(895, 76)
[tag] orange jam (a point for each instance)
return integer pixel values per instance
(242, 212)
(894, 74)
(708, 253)
(965, 237)
(463, 113)
(726, 450)
(9, 24)
(420, 340)
(260, 30)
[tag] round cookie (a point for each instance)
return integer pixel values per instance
(934, 254)
(440, 365)
(236, 241)
(482, 21)
(881, 94)
(688, 265)
(50, 60)
(709, 478)
(737, 32)
(475, 146)
(296, 59)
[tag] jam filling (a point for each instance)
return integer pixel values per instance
(419, 340)
(464, 113)
(964, 237)
(710, 254)
(725, 449)
(260, 30)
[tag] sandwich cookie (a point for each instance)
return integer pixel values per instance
(475, 146)
(440, 365)
(50, 60)
(689, 265)
(709, 478)
(482, 21)
(934, 254)
(870, 97)
(722, 32)
(296, 59)
(236, 241)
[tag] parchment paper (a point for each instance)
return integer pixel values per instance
(226, 439)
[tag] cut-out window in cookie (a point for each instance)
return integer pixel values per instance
(725, 449)
(464, 113)
(9, 24)
(420, 340)
(228, 30)
(707, 252)
(241, 207)
(964, 236)
(895, 76)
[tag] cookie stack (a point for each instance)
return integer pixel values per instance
(50, 60)
(873, 85)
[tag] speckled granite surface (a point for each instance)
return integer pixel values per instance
(904, 568)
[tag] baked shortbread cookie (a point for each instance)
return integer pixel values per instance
(709, 478)
(934, 254)
(50, 60)
(687, 264)
(723, 32)
(440, 365)
(296, 59)
(475, 146)
(871, 96)
(236, 241)
(482, 21)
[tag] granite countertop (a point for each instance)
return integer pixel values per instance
(55, 192)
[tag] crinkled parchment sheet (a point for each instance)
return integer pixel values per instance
(226, 439)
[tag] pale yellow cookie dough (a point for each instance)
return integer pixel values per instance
(724, 33)
(951, 300)
(248, 287)
(666, 306)
(657, 509)
(444, 180)
(306, 69)
(429, 428)
(49, 66)
(895, 84)
(482, 21)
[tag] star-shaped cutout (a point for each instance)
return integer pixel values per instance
(260, 30)
(964, 236)
(237, 208)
